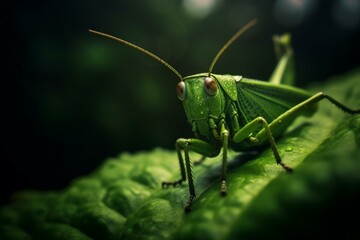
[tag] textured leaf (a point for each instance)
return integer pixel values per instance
(123, 199)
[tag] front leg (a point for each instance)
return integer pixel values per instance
(224, 138)
(178, 147)
(198, 146)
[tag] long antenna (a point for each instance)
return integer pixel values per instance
(236, 35)
(140, 49)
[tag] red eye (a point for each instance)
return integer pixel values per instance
(210, 86)
(180, 89)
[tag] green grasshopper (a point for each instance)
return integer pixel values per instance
(233, 111)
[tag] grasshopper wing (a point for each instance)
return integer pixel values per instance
(262, 99)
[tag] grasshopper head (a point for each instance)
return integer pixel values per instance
(202, 100)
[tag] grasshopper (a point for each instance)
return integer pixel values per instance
(233, 111)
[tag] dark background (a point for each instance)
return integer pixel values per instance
(72, 99)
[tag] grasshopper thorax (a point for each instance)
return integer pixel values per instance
(203, 101)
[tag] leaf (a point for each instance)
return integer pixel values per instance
(123, 199)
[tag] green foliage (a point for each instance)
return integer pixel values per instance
(123, 199)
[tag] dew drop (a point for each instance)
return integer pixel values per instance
(289, 149)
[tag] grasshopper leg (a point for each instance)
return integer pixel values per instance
(249, 128)
(182, 167)
(198, 146)
(190, 178)
(284, 72)
(289, 115)
(286, 117)
(224, 139)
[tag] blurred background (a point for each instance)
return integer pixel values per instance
(73, 99)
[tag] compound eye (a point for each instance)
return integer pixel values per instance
(210, 86)
(180, 89)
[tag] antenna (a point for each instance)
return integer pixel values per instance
(140, 49)
(232, 39)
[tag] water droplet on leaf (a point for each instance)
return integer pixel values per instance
(289, 149)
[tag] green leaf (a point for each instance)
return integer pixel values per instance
(123, 198)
